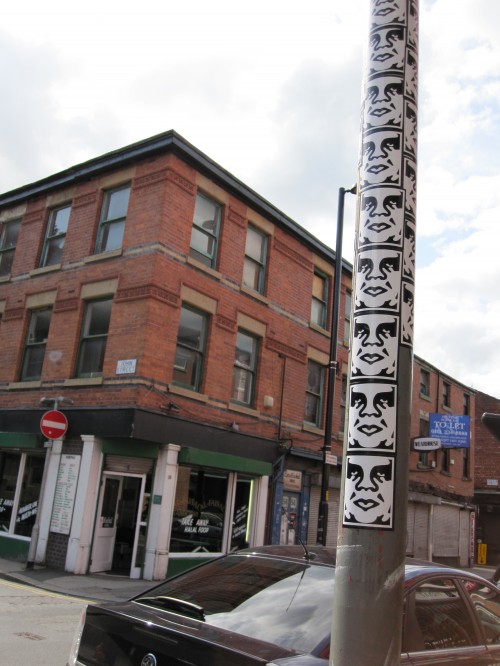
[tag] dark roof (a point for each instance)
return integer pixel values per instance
(173, 142)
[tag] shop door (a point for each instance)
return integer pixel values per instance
(107, 519)
(289, 517)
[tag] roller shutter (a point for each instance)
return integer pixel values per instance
(446, 531)
(125, 465)
(333, 517)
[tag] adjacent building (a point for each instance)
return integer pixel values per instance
(181, 323)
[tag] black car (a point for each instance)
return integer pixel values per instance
(272, 606)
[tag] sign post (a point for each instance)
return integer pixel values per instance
(54, 424)
(369, 579)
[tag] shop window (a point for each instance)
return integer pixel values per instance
(319, 299)
(190, 351)
(8, 242)
(254, 267)
(20, 483)
(94, 338)
(314, 393)
(212, 511)
(55, 236)
(36, 341)
(112, 222)
(245, 363)
(205, 230)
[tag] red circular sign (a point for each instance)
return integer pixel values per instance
(54, 424)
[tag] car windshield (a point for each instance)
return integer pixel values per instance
(283, 602)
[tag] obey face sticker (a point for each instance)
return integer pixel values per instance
(379, 275)
(375, 346)
(381, 216)
(369, 491)
(372, 417)
(381, 158)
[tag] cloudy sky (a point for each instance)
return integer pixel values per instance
(271, 90)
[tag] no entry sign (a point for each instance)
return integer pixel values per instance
(54, 424)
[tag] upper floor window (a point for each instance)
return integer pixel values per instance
(466, 404)
(423, 431)
(94, 338)
(205, 231)
(314, 393)
(55, 236)
(425, 382)
(34, 348)
(245, 364)
(254, 267)
(347, 316)
(8, 242)
(446, 394)
(190, 351)
(319, 299)
(112, 221)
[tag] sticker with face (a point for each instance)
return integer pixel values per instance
(387, 11)
(381, 158)
(409, 250)
(407, 320)
(383, 105)
(411, 75)
(410, 184)
(381, 216)
(379, 279)
(386, 49)
(375, 346)
(372, 417)
(411, 129)
(369, 491)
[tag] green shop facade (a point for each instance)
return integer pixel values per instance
(130, 491)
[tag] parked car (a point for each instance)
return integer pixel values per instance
(272, 605)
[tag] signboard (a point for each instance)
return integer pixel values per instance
(426, 444)
(292, 480)
(54, 424)
(451, 429)
(126, 367)
(64, 498)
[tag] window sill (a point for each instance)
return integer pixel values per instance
(204, 268)
(83, 381)
(309, 427)
(187, 393)
(319, 329)
(13, 386)
(5, 278)
(45, 269)
(102, 256)
(424, 396)
(243, 409)
(254, 294)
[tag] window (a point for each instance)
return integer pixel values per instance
(245, 362)
(190, 352)
(446, 394)
(445, 460)
(8, 242)
(319, 299)
(254, 267)
(423, 456)
(55, 236)
(36, 340)
(425, 380)
(20, 482)
(112, 222)
(347, 317)
(205, 231)
(314, 393)
(486, 601)
(466, 404)
(94, 337)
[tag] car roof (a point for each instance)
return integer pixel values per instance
(327, 556)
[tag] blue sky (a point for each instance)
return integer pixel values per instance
(272, 91)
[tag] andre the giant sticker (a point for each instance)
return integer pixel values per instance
(369, 491)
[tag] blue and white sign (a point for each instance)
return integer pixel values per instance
(451, 429)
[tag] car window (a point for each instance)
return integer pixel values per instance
(283, 602)
(438, 617)
(486, 600)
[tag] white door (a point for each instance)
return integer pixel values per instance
(107, 519)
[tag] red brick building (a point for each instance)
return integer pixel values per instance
(182, 324)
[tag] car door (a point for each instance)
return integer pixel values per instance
(485, 599)
(440, 627)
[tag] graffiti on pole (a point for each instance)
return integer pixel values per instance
(385, 263)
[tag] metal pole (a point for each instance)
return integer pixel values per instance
(368, 600)
(331, 372)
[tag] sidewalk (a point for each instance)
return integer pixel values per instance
(93, 587)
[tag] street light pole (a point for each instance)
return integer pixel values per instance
(332, 371)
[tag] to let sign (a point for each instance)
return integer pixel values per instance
(453, 430)
(54, 424)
